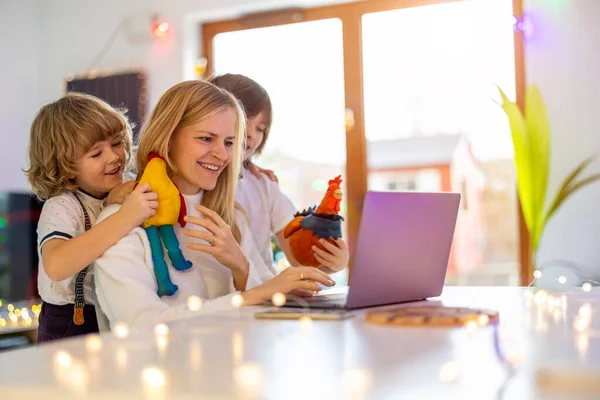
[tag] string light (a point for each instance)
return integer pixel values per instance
(63, 359)
(562, 279)
(0, 303)
(471, 326)
(194, 303)
(161, 330)
(2, 322)
(278, 299)
(10, 308)
(237, 300)
(305, 322)
(587, 287)
(153, 377)
(120, 330)
(13, 317)
(248, 376)
(585, 310)
(93, 343)
(537, 274)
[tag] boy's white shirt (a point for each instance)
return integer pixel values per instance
(62, 218)
(268, 209)
(126, 285)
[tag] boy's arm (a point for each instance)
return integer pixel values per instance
(65, 258)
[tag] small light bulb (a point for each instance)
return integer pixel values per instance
(537, 274)
(562, 279)
(483, 320)
(161, 330)
(93, 343)
(13, 317)
(278, 299)
(237, 300)
(471, 326)
(10, 308)
(305, 322)
(153, 377)
(587, 287)
(121, 330)
(585, 310)
(63, 359)
(581, 323)
(2, 322)
(194, 303)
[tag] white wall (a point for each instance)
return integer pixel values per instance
(563, 58)
(19, 48)
(44, 41)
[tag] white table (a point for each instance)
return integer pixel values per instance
(236, 356)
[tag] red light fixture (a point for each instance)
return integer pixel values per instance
(160, 29)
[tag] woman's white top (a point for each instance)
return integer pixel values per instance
(126, 285)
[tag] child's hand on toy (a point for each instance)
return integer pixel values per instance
(258, 171)
(336, 256)
(119, 193)
(139, 205)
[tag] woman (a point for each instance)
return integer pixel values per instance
(199, 130)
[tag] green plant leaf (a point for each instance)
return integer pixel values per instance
(521, 145)
(538, 131)
(568, 188)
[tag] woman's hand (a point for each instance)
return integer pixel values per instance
(258, 171)
(335, 258)
(218, 235)
(290, 280)
(119, 193)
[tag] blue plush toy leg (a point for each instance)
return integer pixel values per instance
(161, 269)
(172, 244)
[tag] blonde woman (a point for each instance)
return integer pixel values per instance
(198, 129)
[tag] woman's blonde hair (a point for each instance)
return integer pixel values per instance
(65, 130)
(185, 104)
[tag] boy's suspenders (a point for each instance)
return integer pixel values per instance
(78, 318)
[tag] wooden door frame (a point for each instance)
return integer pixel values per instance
(350, 14)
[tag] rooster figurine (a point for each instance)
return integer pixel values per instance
(307, 227)
(170, 211)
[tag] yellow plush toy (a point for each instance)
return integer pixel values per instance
(171, 210)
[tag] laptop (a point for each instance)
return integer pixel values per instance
(401, 253)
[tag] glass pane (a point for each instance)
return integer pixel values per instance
(433, 122)
(301, 67)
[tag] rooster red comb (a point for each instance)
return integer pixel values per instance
(337, 180)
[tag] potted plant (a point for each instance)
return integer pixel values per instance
(531, 141)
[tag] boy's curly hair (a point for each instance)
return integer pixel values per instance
(65, 130)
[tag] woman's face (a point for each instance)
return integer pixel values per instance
(201, 152)
(255, 133)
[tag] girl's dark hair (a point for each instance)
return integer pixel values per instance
(253, 97)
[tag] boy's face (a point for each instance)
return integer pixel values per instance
(255, 133)
(101, 169)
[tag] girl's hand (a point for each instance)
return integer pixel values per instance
(218, 235)
(336, 256)
(291, 280)
(139, 205)
(258, 171)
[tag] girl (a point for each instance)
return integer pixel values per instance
(199, 130)
(78, 148)
(265, 204)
